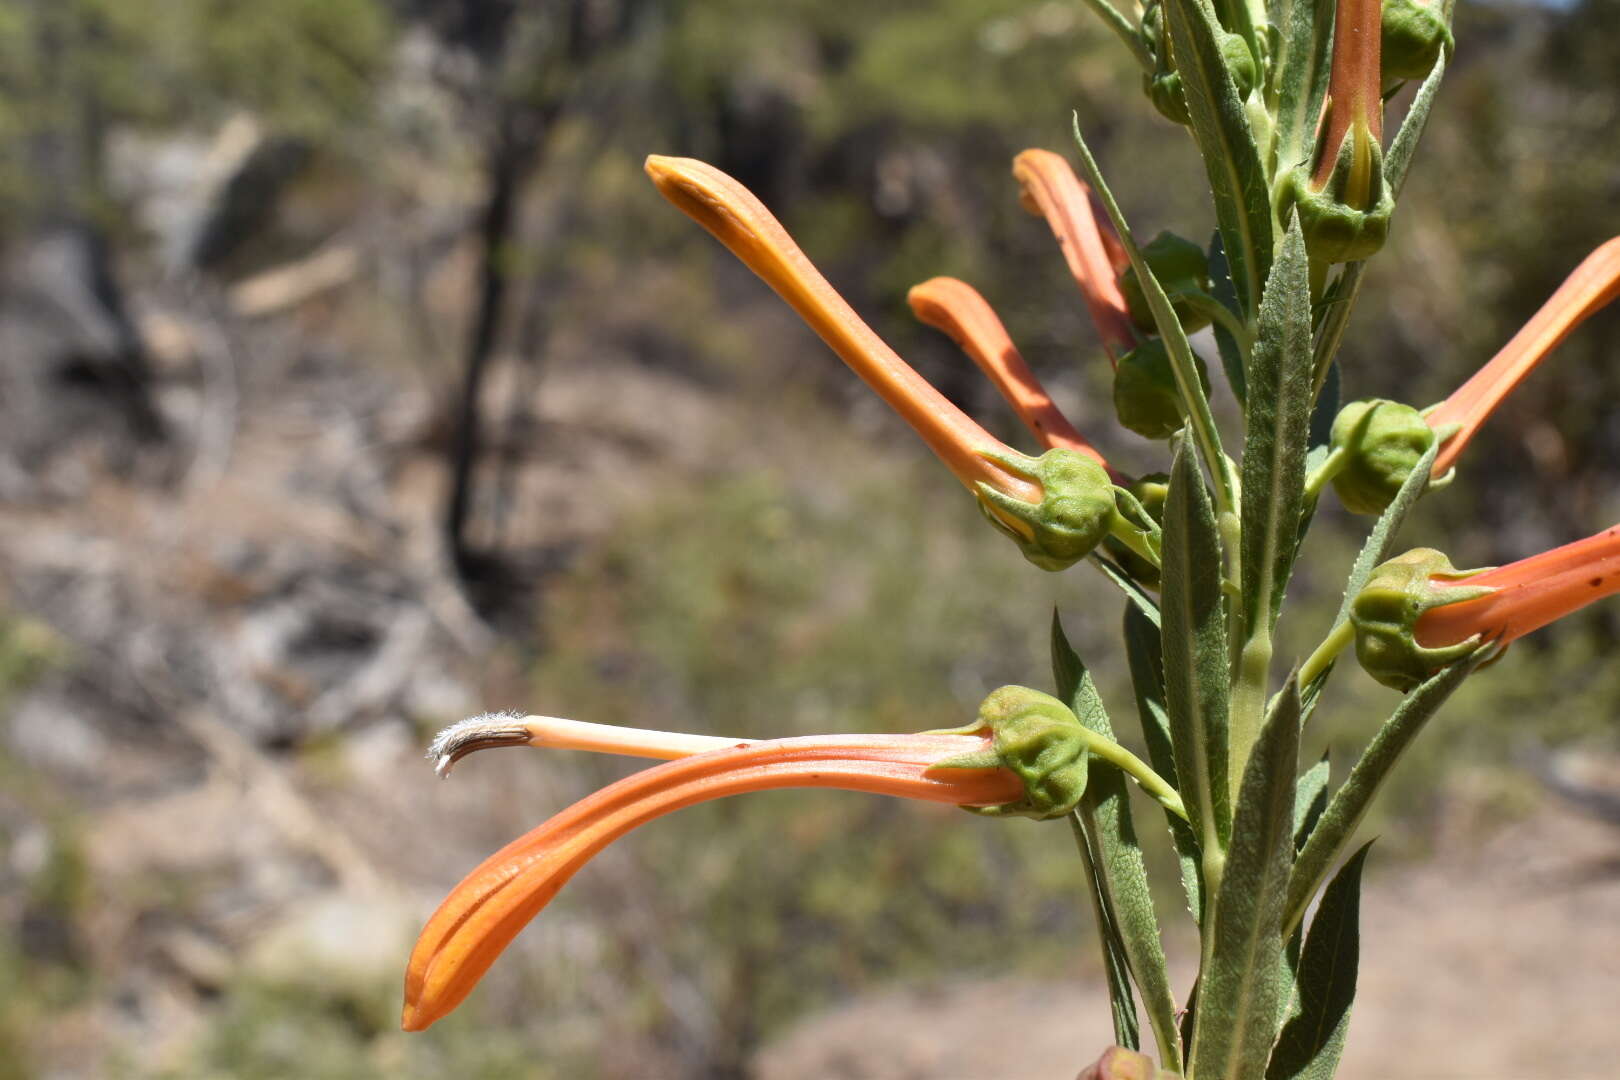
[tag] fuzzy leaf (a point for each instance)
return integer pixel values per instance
(1221, 128)
(1241, 993)
(1277, 420)
(1120, 872)
(1311, 1041)
(1310, 799)
(1302, 79)
(1196, 677)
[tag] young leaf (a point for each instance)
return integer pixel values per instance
(1221, 128)
(1220, 285)
(1120, 872)
(1277, 419)
(1240, 995)
(1138, 597)
(1196, 676)
(1310, 1043)
(1349, 804)
(1142, 648)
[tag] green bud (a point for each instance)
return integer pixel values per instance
(1384, 441)
(1385, 614)
(1075, 512)
(1118, 1063)
(1163, 83)
(1150, 491)
(1240, 62)
(1145, 394)
(1182, 269)
(1348, 219)
(1039, 738)
(1414, 36)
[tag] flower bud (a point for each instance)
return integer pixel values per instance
(1386, 611)
(1075, 512)
(1163, 83)
(1414, 34)
(1038, 738)
(1182, 269)
(1146, 397)
(1383, 441)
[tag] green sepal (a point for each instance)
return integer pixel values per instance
(1040, 739)
(1383, 441)
(1182, 269)
(1342, 224)
(1146, 397)
(1148, 493)
(1414, 35)
(1075, 512)
(1386, 611)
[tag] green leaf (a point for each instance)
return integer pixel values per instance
(1221, 128)
(1143, 650)
(1310, 799)
(1120, 872)
(1302, 80)
(1196, 675)
(1182, 362)
(1277, 420)
(1310, 1043)
(1240, 995)
(1138, 596)
(1398, 162)
(1121, 1002)
(1349, 804)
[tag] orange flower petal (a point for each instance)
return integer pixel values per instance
(1594, 283)
(741, 222)
(1529, 593)
(956, 308)
(486, 911)
(1051, 190)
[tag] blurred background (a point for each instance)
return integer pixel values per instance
(353, 379)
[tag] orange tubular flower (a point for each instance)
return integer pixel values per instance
(1594, 283)
(741, 222)
(956, 308)
(1051, 190)
(1355, 103)
(484, 913)
(1526, 595)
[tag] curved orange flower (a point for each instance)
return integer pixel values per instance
(492, 904)
(1526, 595)
(741, 222)
(956, 308)
(1051, 190)
(1594, 284)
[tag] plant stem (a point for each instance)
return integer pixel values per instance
(1317, 663)
(1331, 466)
(1139, 770)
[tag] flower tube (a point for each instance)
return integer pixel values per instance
(486, 911)
(1526, 595)
(1051, 190)
(1594, 284)
(1057, 508)
(958, 310)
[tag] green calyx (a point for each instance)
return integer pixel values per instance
(1146, 397)
(1075, 512)
(1149, 492)
(1382, 442)
(1182, 269)
(1414, 35)
(1386, 611)
(1039, 738)
(1347, 219)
